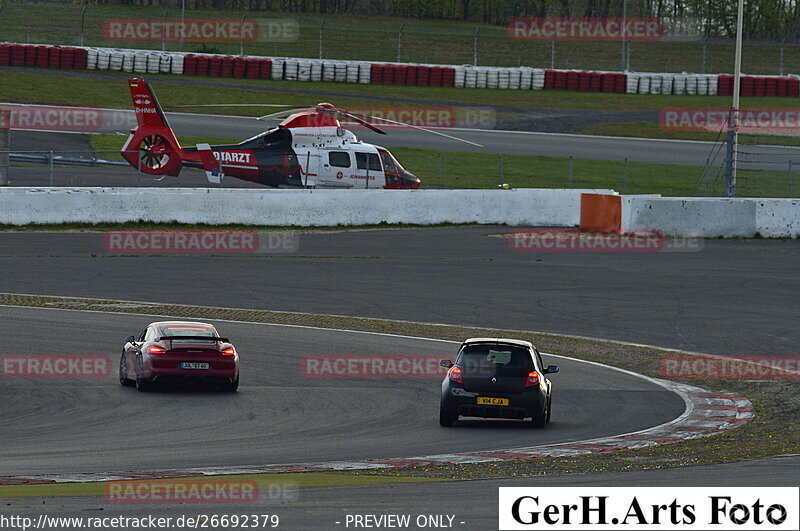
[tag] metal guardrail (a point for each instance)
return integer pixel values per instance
(65, 159)
(60, 160)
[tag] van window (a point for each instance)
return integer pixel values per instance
(374, 161)
(339, 159)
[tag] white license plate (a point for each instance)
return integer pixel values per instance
(193, 365)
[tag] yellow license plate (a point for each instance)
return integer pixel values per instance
(488, 401)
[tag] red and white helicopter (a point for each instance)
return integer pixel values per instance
(309, 148)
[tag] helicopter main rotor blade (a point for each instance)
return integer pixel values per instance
(279, 113)
(234, 105)
(360, 121)
(421, 129)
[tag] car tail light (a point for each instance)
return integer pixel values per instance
(455, 374)
(156, 350)
(230, 351)
(532, 380)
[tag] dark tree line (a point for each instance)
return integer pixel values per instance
(764, 19)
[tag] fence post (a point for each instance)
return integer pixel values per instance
(705, 53)
(183, 25)
(50, 164)
(308, 167)
(501, 170)
(570, 171)
(730, 184)
(789, 179)
(625, 187)
(400, 41)
(475, 48)
(628, 57)
(553, 52)
(83, 18)
(439, 168)
(164, 31)
(624, 24)
(5, 145)
(321, 27)
(241, 43)
(782, 43)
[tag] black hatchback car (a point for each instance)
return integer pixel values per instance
(497, 378)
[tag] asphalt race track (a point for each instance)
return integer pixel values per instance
(279, 415)
(720, 299)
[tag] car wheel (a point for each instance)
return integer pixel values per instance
(549, 410)
(233, 386)
(446, 418)
(123, 372)
(540, 421)
(141, 383)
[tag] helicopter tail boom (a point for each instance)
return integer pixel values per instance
(151, 147)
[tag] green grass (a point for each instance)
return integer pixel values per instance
(264, 481)
(110, 90)
(654, 130)
(479, 170)
(375, 38)
(482, 170)
(54, 88)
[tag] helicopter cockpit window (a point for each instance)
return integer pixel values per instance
(395, 174)
(388, 162)
(374, 161)
(340, 159)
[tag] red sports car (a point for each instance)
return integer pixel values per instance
(179, 352)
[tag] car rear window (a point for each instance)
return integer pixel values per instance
(198, 331)
(494, 357)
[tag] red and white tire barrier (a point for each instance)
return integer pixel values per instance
(420, 75)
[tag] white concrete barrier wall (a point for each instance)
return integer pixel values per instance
(778, 218)
(520, 207)
(674, 216)
(690, 216)
(713, 217)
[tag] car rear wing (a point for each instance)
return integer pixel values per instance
(195, 338)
